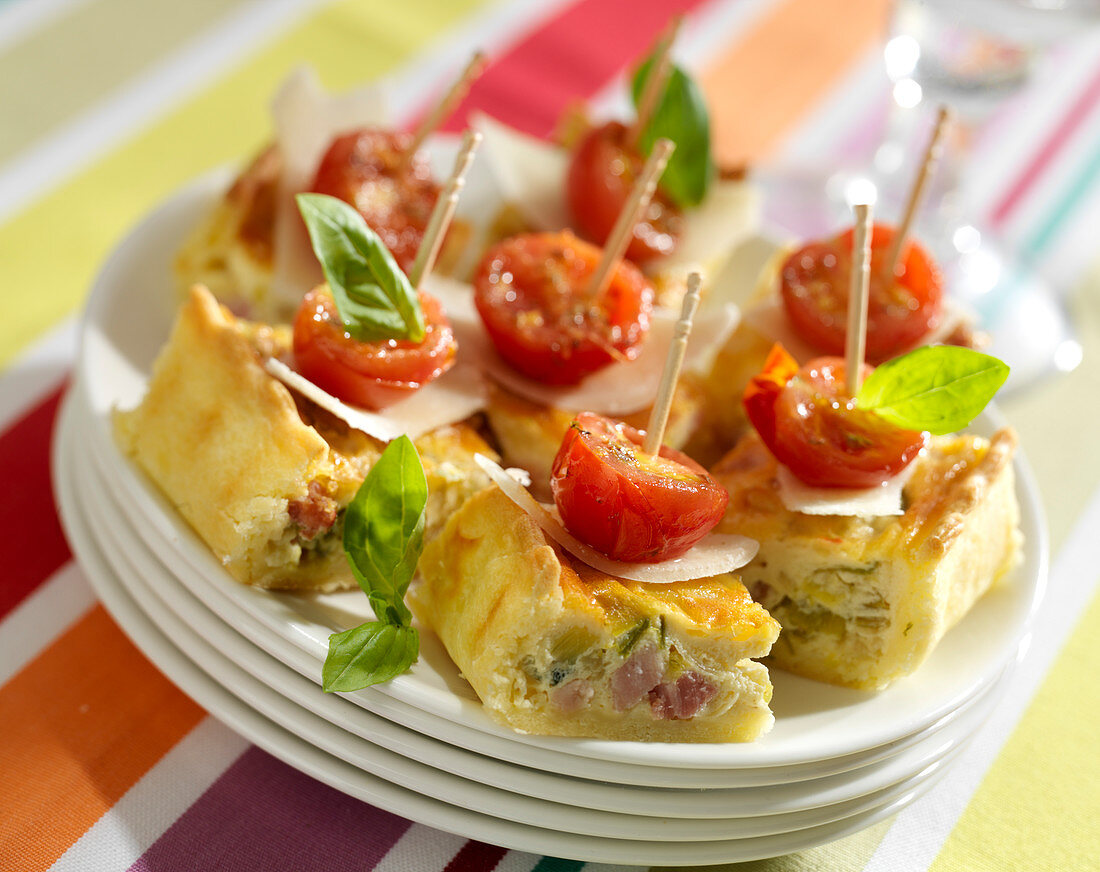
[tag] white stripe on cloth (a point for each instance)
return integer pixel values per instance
(917, 835)
(156, 801)
(1009, 142)
(37, 371)
(1069, 256)
(49, 162)
(421, 849)
(20, 18)
(38, 620)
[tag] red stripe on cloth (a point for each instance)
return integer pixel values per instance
(475, 857)
(566, 59)
(1050, 148)
(28, 515)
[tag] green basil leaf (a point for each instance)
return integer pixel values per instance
(371, 653)
(384, 529)
(681, 115)
(939, 388)
(372, 294)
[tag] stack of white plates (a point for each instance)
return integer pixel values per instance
(837, 760)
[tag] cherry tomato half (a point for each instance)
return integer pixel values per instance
(532, 294)
(816, 431)
(601, 174)
(369, 374)
(395, 194)
(627, 504)
(813, 284)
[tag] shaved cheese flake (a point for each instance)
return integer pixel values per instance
(630, 386)
(770, 320)
(529, 172)
(886, 499)
(714, 555)
(306, 120)
(710, 232)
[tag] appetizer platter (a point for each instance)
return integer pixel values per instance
(598, 542)
(117, 363)
(219, 660)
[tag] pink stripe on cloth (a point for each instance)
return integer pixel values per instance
(568, 58)
(1048, 151)
(263, 814)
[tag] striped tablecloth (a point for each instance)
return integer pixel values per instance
(109, 105)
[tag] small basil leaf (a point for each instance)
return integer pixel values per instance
(371, 653)
(681, 115)
(384, 529)
(939, 388)
(372, 294)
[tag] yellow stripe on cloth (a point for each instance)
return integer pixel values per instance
(66, 66)
(52, 250)
(1037, 807)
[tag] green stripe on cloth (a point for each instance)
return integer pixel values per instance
(53, 249)
(1080, 186)
(67, 65)
(553, 864)
(1028, 815)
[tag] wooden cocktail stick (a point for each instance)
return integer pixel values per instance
(659, 72)
(855, 342)
(928, 163)
(636, 204)
(446, 106)
(444, 211)
(658, 417)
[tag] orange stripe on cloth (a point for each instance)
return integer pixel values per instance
(76, 732)
(781, 68)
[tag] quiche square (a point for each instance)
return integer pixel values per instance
(864, 601)
(260, 473)
(554, 647)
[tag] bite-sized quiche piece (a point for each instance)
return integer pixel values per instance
(529, 433)
(554, 647)
(232, 249)
(863, 601)
(261, 474)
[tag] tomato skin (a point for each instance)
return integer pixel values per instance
(626, 504)
(368, 169)
(813, 285)
(816, 431)
(531, 293)
(368, 374)
(601, 174)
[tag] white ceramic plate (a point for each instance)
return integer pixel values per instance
(132, 516)
(127, 320)
(815, 801)
(354, 781)
(521, 798)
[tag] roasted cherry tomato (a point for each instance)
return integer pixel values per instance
(816, 431)
(369, 374)
(395, 194)
(627, 504)
(602, 172)
(532, 293)
(901, 309)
